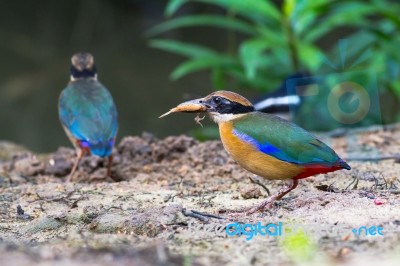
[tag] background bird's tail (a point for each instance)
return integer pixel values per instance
(101, 149)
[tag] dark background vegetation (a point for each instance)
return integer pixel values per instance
(39, 37)
(37, 41)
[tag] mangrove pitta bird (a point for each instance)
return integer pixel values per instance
(87, 112)
(264, 144)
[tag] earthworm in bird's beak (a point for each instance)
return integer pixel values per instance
(187, 107)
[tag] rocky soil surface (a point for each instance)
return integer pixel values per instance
(142, 215)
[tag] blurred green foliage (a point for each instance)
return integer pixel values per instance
(268, 42)
(37, 41)
(277, 42)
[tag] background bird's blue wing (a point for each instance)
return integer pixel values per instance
(87, 110)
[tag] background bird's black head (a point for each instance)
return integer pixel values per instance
(83, 66)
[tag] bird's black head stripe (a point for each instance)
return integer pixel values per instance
(86, 73)
(226, 106)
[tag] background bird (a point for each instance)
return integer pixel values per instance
(264, 144)
(87, 112)
(286, 99)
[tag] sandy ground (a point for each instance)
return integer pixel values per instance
(139, 219)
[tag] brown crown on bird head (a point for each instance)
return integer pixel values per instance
(232, 96)
(82, 61)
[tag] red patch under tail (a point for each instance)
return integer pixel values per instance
(315, 169)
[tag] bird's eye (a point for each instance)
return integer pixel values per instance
(217, 100)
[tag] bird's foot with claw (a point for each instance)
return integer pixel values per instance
(263, 206)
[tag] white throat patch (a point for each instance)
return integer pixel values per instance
(75, 79)
(221, 118)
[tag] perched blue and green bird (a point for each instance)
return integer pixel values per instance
(264, 144)
(87, 112)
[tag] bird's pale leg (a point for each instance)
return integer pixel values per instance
(269, 201)
(80, 154)
(110, 160)
(108, 172)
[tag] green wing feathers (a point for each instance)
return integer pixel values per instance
(284, 140)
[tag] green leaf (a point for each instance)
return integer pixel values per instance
(395, 85)
(391, 15)
(275, 37)
(197, 64)
(203, 20)
(173, 6)
(310, 56)
(388, 9)
(181, 48)
(304, 22)
(249, 8)
(306, 12)
(289, 7)
(250, 53)
(344, 14)
(259, 83)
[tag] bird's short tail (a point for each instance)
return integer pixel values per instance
(101, 149)
(343, 164)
